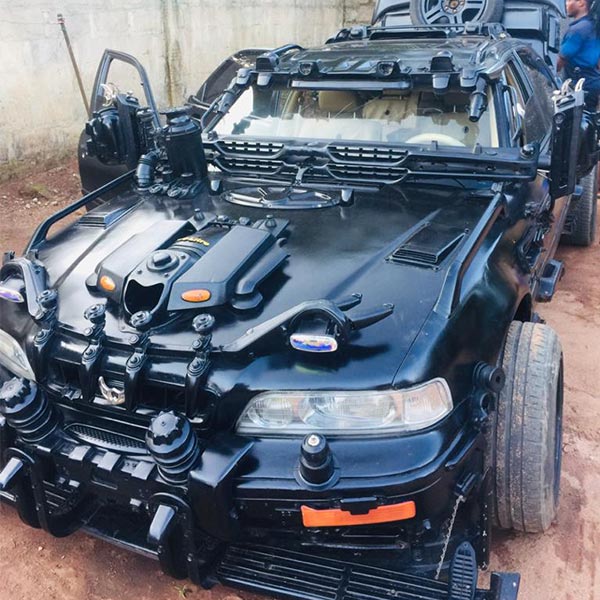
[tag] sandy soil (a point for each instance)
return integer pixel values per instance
(562, 564)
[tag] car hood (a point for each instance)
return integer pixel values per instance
(387, 248)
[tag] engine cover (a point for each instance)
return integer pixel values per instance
(182, 267)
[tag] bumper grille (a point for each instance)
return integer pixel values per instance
(306, 577)
(110, 440)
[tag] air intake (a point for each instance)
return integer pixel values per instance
(429, 247)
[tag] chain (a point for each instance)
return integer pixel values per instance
(459, 500)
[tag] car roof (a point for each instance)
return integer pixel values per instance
(361, 57)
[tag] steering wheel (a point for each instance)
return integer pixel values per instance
(441, 138)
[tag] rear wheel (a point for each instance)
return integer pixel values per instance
(526, 435)
(584, 213)
(442, 12)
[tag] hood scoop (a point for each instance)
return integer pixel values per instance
(429, 246)
(187, 265)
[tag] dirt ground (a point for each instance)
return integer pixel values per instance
(562, 564)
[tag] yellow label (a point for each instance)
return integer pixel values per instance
(195, 240)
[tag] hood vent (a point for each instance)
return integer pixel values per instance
(104, 216)
(429, 246)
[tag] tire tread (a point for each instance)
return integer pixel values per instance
(524, 431)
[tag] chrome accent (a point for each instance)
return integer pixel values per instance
(114, 396)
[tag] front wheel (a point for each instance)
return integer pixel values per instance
(526, 433)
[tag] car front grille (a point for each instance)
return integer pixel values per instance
(110, 440)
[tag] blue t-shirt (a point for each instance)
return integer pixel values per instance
(581, 49)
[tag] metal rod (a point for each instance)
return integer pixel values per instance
(61, 22)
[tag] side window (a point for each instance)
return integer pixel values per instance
(217, 81)
(539, 107)
(516, 101)
(221, 77)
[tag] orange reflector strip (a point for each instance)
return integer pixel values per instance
(196, 296)
(335, 517)
(106, 283)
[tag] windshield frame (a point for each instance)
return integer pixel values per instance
(235, 93)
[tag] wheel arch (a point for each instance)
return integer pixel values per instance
(524, 310)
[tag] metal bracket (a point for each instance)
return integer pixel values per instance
(133, 369)
(198, 369)
(92, 355)
(48, 303)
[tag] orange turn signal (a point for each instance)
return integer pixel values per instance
(107, 283)
(335, 517)
(196, 296)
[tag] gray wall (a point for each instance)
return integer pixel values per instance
(178, 41)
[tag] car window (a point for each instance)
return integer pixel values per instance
(418, 117)
(221, 77)
(539, 108)
(517, 102)
(217, 81)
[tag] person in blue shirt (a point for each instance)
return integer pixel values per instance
(580, 51)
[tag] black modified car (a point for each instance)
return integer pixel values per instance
(292, 346)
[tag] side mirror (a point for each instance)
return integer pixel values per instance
(114, 136)
(566, 129)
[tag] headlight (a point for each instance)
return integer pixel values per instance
(347, 413)
(13, 357)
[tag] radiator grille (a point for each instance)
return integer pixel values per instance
(110, 440)
(305, 577)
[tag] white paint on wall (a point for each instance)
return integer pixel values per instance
(179, 42)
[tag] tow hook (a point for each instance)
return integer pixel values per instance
(465, 486)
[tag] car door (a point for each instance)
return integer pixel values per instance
(535, 85)
(96, 171)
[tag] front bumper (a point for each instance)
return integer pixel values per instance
(241, 504)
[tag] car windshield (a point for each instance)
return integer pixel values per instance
(389, 116)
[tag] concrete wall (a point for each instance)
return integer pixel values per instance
(178, 41)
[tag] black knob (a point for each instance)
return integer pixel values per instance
(14, 391)
(490, 377)
(164, 430)
(316, 461)
(27, 410)
(174, 446)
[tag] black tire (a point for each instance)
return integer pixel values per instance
(526, 433)
(584, 213)
(440, 12)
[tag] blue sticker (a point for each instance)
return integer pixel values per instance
(313, 343)
(11, 295)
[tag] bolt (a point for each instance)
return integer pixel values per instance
(314, 440)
